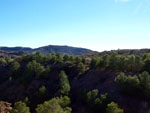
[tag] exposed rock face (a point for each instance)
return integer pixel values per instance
(5, 107)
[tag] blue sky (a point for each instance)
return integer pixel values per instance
(94, 24)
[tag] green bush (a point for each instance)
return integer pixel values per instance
(47, 71)
(91, 96)
(116, 62)
(66, 57)
(38, 57)
(15, 66)
(53, 59)
(113, 108)
(96, 103)
(147, 65)
(128, 84)
(64, 84)
(55, 105)
(20, 107)
(94, 62)
(134, 85)
(3, 62)
(80, 67)
(113, 61)
(15, 69)
(145, 84)
(27, 101)
(65, 101)
(42, 91)
(35, 69)
(78, 60)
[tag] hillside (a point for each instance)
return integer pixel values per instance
(127, 51)
(76, 84)
(48, 49)
(12, 54)
(123, 52)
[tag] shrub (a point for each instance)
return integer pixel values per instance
(145, 83)
(91, 96)
(113, 108)
(47, 71)
(15, 67)
(35, 69)
(27, 101)
(147, 65)
(64, 84)
(42, 90)
(66, 57)
(55, 105)
(3, 62)
(95, 102)
(81, 67)
(94, 62)
(134, 85)
(20, 107)
(128, 84)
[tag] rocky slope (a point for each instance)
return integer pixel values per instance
(5, 107)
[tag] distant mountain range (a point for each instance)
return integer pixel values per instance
(17, 51)
(45, 50)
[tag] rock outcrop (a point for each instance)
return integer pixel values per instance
(5, 107)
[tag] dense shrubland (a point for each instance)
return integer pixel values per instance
(115, 62)
(137, 85)
(54, 94)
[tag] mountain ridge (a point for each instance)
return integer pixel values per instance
(49, 49)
